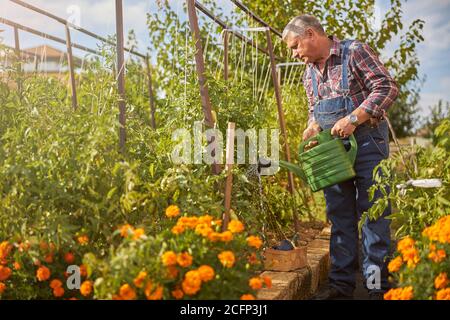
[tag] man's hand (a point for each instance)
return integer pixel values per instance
(343, 128)
(311, 131)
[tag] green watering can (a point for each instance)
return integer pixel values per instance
(325, 164)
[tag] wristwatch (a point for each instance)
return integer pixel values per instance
(353, 118)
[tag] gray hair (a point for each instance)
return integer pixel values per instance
(298, 25)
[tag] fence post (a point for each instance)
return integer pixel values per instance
(71, 68)
(150, 92)
(200, 67)
(120, 74)
(287, 152)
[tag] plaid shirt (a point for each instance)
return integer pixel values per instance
(371, 86)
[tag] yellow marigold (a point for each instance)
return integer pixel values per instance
(177, 229)
(255, 283)
(395, 264)
(203, 229)
(226, 236)
(126, 230)
(43, 273)
(58, 292)
(254, 241)
(399, 294)
(440, 231)
(86, 288)
(5, 273)
(206, 219)
(139, 280)
(235, 226)
(127, 292)
(138, 233)
(192, 282)
(267, 281)
(405, 244)
(177, 294)
(172, 211)
(184, 259)
(206, 273)
(248, 297)
(217, 222)
(441, 281)
(169, 258)
(83, 240)
(443, 294)
(226, 258)
(55, 283)
(188, 222)
(411, 257)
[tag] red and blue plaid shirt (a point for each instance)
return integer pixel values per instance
(371, 86)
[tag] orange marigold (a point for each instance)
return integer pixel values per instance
(226, 258)
(157, 294)
(267, 281)
(184, 259)
(2, 287)
(172, 211)
(235, 226)
(58, 292)
(5, 273)
(441, 281)
(405, 244)
(139, 280)
(86, 288)
(443, 294)
(17, 265)
(49, 258)
(83, 270)
(255, 283)
(254, 241)
(214, 236)
(437, 256)
(248, 297)
(177, 294)
(43, 273)
(55, 283)
(5, 249)
(203, 229)
(192, 282)
(411, 257)
(226, 236)
(83, 240)
(206, 273)
(395, 264)
(399, 294)
(138, 233)
(127, 292)
(172, 272)
(126, 230)
(69, 257)
(177, 229)
(169, 258)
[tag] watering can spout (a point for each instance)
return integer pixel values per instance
(297, 170)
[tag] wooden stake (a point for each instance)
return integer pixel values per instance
(71, 68)
(150, 93)
(229, 181)
(120, 74)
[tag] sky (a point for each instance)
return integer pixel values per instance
(99, 16)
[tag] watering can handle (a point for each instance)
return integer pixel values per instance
(353, 144)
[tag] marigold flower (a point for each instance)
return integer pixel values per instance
(214, 236)
(172, 272)
(226, 236)
(439, 231)
(55, 283)
(248, 297)
(226, 258)
(172, 211)
(203, 229)
(192, 282)
(437, 256)
(5, 249)
(83, 270)
(86, 288)
(58, 292)
(69, 258)
(5, 273)
(206, 273)
(206, 219)
(255, 283)
(395, 264)
(235, 226)
(155, 295)
(441, 281)
(399, 294)
(188, 222)
(252, 258)
(43, 273)
(17, 265)
(49, 258)
(169, 258)
(138, 233)
(405, 244)
(267, 281)
(177, 229)
(83, 240)
(139, 280)
(177, 294)
(2, 287)
(443, 294)
(126, 230)
(127, 292)
(254, 241)
(184, 259)
(411, 257)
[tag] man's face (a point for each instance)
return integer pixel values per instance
(302, 47)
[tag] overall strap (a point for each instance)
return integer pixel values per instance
(314, 83)
(344, 60)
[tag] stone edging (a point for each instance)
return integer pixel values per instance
(302, 283)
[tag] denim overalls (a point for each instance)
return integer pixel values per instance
(345, 202)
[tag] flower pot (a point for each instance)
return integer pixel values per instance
(279, 260)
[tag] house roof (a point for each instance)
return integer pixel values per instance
(49, 53)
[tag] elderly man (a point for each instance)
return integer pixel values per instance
(349, 90)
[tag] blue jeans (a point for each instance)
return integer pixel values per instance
(345, 203)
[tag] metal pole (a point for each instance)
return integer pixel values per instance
(150, 93)
(282, 122)
(200, 67)
(120, 74)
(225, 54)
(229, 182)
(71, 68)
